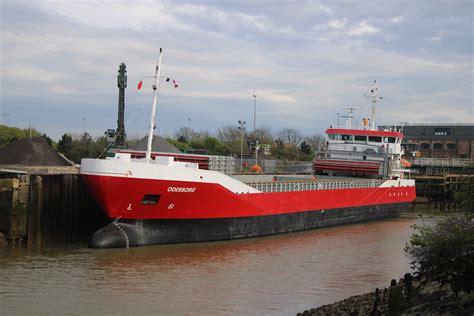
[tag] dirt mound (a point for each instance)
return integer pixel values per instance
(159, 144)
(31, 152)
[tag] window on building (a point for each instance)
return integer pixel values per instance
(425, 146)
(442, 131)
(451, 146)
(437, 146)
(360, 138)
(375, 139)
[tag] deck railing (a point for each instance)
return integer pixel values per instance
(285, 186)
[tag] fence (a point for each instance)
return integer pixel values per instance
(441, 162)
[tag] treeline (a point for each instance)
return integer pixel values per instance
(286, 143)
(9, 134)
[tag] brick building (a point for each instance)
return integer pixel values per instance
(438, 140)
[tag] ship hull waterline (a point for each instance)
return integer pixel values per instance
(122, 233)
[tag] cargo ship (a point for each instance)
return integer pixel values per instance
(159, 199)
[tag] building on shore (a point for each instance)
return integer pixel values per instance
(437, 140)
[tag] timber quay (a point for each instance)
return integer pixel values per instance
(444, 193)
(40, 205)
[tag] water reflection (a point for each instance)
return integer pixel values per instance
(280, 274)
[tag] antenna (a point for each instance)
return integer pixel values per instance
(349, 116)
(373, 98)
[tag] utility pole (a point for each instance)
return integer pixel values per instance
(242, 129)
(254, 112)
(121, 84)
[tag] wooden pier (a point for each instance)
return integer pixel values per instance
(443, 193)
(46, 205)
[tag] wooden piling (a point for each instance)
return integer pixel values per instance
(48, 207)
(35, 209)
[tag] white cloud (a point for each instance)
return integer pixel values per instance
(337, 24)
(320, 7)
(363, 28)
(435, 39)
(396, 19)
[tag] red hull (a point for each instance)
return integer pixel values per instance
(122, 196)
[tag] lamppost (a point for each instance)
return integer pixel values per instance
(242, 129)
(254, 111)
(5, 117)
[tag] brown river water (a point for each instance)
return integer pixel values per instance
(277, 275)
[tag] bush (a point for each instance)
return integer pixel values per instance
(444, 252)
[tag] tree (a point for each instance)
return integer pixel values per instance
(264, 135)
(290, 136)
(232, 137)
(65, 144)
(184, 134)
(317, 142)
(444, 252)
(305, 148)
(48, 139)
(180, 144)
(9, 134)
(215, 146)
(83, 146)
(229, 134)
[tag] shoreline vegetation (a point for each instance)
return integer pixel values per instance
(410, 296)
(442, 256)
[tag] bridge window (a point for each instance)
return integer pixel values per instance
(347, 137)
(390, 140)
(425, 146)
(360, 138)
(375, 139)
(437, 146)
(451, 146)
(334, 137)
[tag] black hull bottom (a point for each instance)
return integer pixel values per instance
(132, 233)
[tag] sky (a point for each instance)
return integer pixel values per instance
(305, 61)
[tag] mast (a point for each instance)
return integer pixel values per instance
(153, 107)
(349, 116)
(373, 98)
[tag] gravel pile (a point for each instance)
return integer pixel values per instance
(31, 152)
